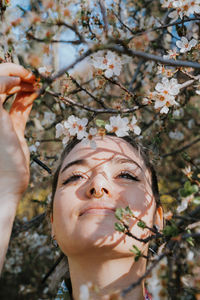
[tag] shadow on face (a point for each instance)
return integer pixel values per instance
(83, 222)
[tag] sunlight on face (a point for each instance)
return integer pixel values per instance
(91, 185)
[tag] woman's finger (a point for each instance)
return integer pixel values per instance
(10, 69)
(21, 108)
(19, 114)
(23, 87)
(7, 83)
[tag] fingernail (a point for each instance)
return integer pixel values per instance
(14, 90)
(29, 76)
(16, 78)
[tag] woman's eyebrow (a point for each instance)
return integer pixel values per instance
(75, 162)
(122, 160)
(119, 160)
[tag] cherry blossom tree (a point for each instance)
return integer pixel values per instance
(127, 67)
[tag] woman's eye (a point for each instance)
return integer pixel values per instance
(126, 175)
(72, 178)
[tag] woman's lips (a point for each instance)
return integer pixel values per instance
(98, 211)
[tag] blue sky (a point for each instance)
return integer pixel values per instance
(66, 52)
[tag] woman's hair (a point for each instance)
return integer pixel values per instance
(142, 151)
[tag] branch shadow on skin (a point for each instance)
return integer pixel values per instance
(139, 209)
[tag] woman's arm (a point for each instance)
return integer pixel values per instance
(14, 153)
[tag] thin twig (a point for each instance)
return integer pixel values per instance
(87, 92)
(181, 149)
(45, 40)
(41, 164)
(68, 101)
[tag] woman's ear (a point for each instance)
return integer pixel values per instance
(159, 218)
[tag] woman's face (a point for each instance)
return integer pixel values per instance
(83, 220)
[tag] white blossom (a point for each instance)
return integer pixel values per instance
(167, 86)
(42, 70)
(172, 54)
(190, 123)
(33, 148)
(81, 128)
(184, 204)
(190, 255)
(71, 125)
(65, 140)
(178, 113)
(176, 135)
(165, 93)
(185, 45)
(89, 138)
(182, 7)
(49, 118)
(187, 171)
(163, 102)
(118, 125)
(59, 130)
(111, 63)
(134, 127)
(198, 92)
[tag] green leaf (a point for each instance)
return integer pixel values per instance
(119, 213)
(195, 188)
(100, 123)
(137, 252)
(187, 185)
(171, 230)
(196, 200)
(141, 224)
(188, 189)
(119, 227)
(190, 239)
(128, 210)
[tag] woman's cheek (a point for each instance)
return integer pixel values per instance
(63, 206)
(135, 198)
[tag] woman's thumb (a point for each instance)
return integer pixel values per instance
(8, 82)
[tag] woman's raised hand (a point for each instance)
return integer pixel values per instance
(14, 153)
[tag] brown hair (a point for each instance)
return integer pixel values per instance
(141, 149)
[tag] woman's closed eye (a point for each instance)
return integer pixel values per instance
(127, 175)
(72, 178)
(123, 174)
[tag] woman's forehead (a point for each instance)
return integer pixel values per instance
(107, 148)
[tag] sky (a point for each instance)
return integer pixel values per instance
(66, 52)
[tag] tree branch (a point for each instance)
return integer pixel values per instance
(181, 149)
(67, 100)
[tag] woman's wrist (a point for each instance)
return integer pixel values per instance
(9, 202)
(8, 207)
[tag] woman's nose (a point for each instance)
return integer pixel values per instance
(97, 188)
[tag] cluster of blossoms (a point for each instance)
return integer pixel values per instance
(164, 94)
(182, 7)
(75, 126)
(109, 62)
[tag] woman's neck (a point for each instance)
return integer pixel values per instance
(108, 275)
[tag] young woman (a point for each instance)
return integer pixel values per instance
(88, 187)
